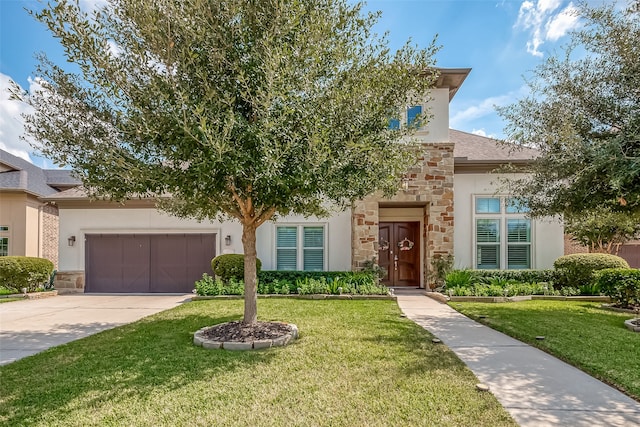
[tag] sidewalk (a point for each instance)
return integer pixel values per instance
(534, 387)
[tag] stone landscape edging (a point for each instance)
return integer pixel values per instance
(32, 295)
(594, 298)
(296, 296)
(200, 341)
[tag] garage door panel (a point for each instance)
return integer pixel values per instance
(147, 263)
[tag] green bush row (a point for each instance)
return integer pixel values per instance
(18, 272)
(305, 284)
(622, 285)
(578, 269)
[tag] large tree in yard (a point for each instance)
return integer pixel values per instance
(583, 115)
(235, 109)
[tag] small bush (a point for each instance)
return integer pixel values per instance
(231, 266)
(460, 278)
(577, 270)
(292, 277)
(524, 276)
(505, 289)
(209, 286)
(622, 285)
(17, 272)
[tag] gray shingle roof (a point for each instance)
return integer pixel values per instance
(479, 149)
(25, 176)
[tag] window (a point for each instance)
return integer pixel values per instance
(413, 114)
(300, 247)
(4, 240)
(394, 124)
(502, 234)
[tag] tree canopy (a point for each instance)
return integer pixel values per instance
(583, 115)
(602, 229)
(235, 109)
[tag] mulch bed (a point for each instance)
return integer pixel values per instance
(239, 332)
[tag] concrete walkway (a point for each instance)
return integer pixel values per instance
(534, 387)
(31, 326)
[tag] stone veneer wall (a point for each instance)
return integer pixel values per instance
(50, 233)
(69, 281)
(430, 184)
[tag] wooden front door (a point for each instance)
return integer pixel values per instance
(399, 253)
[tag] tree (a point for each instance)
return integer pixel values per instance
(235, 109)
(603, 230)
(583, 115)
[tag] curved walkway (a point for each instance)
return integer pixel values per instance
(535, 388)
(31, 326)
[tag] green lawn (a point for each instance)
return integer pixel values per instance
(356, 363)
(581, 333)
(2, 300)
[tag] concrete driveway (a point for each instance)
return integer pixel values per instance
(31, 326)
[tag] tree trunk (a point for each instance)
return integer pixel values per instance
(250, 274)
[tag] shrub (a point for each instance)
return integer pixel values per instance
(459, 278)
(17, 272)
(577, 269)
(292, 277)
(209, 286)
(525, 276)
(622, 285)
(231, 266)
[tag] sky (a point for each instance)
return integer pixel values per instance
(502, 41)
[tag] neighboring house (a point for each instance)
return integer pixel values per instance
(29, 226)
(132, 247)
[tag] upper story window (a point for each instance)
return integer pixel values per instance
(503, 235)
(411, 118)
(300, 247)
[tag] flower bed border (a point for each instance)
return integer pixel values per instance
(296, 296)
(200, 341)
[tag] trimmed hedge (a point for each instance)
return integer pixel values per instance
(231, 266)
(577, 269)
(298, 282)
(269, 276)
(17, 272)
(622, 285)
(524, 276)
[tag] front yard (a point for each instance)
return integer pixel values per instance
(581, 333)
(356, 363)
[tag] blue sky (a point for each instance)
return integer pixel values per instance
(501, 41)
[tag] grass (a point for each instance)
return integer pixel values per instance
(581, 333)
(3, 300)
(356, 363)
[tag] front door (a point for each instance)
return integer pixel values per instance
(399, 253)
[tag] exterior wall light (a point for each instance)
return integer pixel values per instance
(227, 240)
(71, 240)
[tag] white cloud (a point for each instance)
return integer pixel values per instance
(483, 108)
(483, 132)
(545, 20)
(562, 23)
(11, 121)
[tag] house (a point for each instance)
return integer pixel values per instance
(448, 204)
(28, 225)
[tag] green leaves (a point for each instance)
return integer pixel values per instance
(582, 115)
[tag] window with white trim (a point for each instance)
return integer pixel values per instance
(300, 247)
(503, 235)
(4, 240)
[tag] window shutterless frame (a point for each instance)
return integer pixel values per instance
(502, 235)
(301, 247)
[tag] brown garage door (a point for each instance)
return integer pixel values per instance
(146, 262)
(631, 252)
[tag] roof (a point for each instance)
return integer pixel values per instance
(17, 174)
(451, 78)
(475, 149)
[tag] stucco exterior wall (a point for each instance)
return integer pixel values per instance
(13, 215)
(547, 234)
(79, 222)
